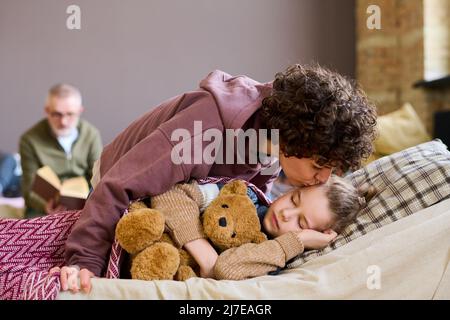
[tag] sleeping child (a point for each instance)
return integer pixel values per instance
(302, 219)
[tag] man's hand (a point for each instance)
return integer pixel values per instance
(51, 207)
(69, 278)
(313, 239)
(205, 255)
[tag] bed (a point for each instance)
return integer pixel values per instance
(412, 256)
(399, 248)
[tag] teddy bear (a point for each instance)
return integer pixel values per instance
(229, 221)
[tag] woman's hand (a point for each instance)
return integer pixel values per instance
(205, 255)
(313, 239)
(69, 276)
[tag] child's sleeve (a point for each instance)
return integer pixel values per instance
(181, 208)
(254, 260)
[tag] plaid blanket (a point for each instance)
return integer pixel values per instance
(406, 182)
(29, 248)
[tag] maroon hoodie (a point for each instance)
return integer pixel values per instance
(138, 162)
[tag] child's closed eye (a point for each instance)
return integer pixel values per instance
(302, 224)
(292, 199)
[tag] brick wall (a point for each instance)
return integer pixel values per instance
(391, 59)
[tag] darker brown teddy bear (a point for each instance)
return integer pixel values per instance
(229, 221)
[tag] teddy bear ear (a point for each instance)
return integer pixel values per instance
(234, 187)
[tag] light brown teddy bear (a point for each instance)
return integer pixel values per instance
(229, 221)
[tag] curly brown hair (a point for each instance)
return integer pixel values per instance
(321, 114)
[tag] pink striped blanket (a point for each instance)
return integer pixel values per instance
(29, 248)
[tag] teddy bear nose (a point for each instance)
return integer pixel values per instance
(223, 222)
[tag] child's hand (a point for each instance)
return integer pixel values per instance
(204, 254)
(207, 270)
(313, 239)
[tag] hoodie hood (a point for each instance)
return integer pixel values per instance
(237, 97)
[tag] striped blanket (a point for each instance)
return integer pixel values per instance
(29, 248)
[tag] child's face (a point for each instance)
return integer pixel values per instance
(302, 208)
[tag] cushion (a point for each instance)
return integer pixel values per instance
(406, 182)
(399, 130)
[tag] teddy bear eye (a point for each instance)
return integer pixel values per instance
(225, 206)
(223, 222)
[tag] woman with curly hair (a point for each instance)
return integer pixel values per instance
(324, 122)
(320, 115)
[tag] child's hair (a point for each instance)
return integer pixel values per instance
(346, 201)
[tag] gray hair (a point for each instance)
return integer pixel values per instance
(63, 90)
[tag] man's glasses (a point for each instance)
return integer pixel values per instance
(59, 115)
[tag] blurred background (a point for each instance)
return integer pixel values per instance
(130, 56)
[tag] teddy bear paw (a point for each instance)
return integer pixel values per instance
(184, 273)
(139, 229)
(160, 261)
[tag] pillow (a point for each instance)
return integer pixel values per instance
(406, 182)
(399, 130)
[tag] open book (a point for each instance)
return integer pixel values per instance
(70, 193)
